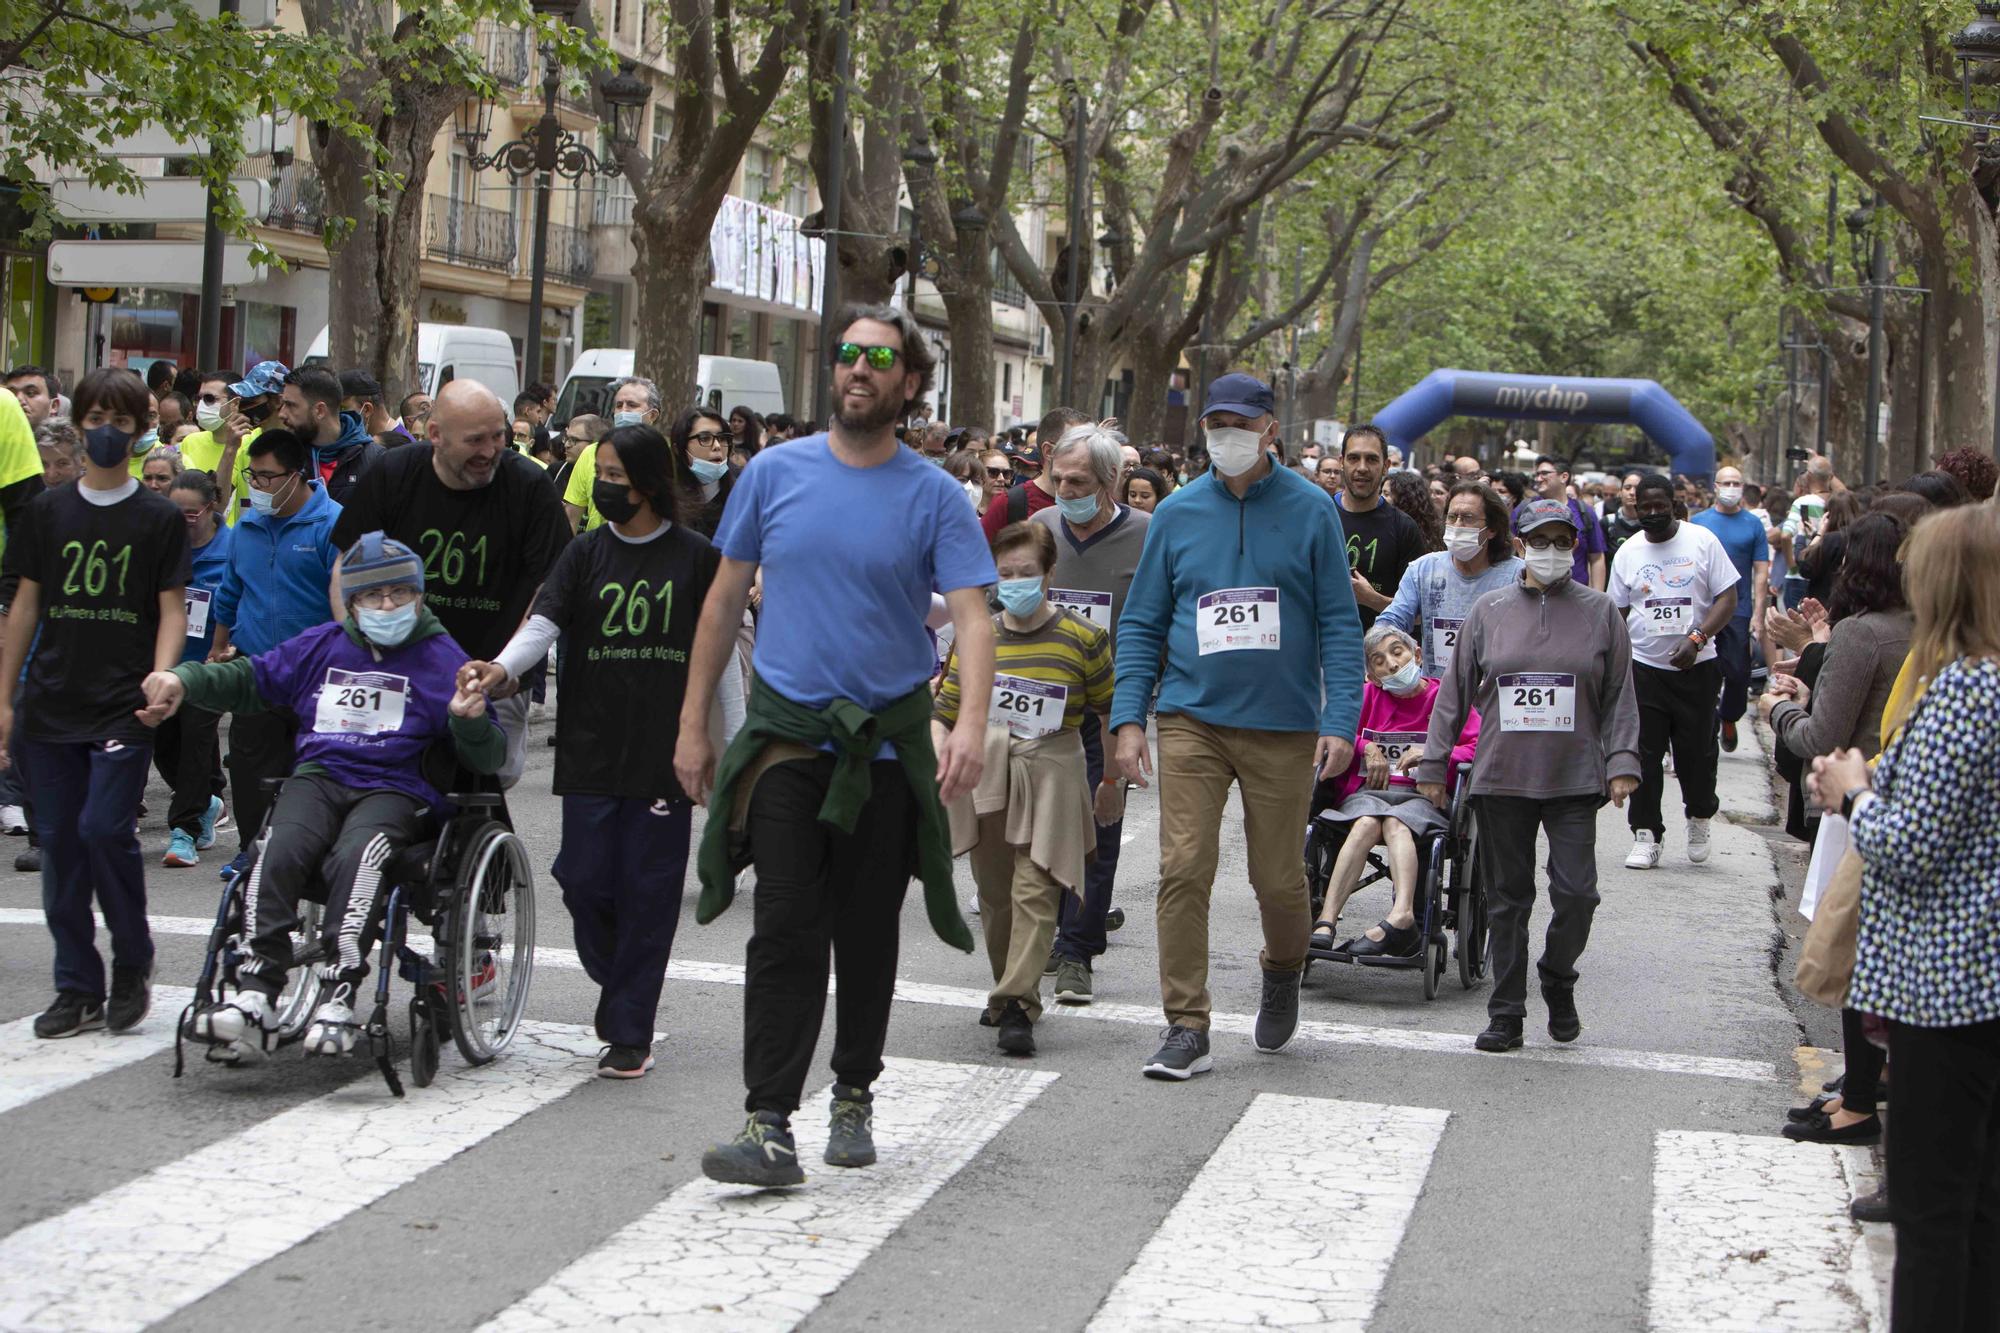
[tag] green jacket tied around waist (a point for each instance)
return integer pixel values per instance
(857, 735)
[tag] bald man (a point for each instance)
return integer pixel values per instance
(1468, 469)
(485, 520)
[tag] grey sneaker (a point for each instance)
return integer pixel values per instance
(1183, 1053)
(763, 1155)
(850, 1128)
(1278, 1015)
(1072, 982)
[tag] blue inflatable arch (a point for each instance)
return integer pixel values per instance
(1641, 403)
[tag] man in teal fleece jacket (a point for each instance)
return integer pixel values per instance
(1242, 611)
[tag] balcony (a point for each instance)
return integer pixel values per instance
(298, 200)
(509, 55)
(465, 233)
(570, 256)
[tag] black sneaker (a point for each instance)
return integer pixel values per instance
(624, 1062)
(1503, 1033)
(1870, 1207)
(28, 860)
(1183, 1053)
(1564, 1025)
(1729, 738)
(763, 1155)
(850, 1127)
(70, 1014)
(1278, 1015)
(1017, 1033)
(1113, 919)
(131, 997)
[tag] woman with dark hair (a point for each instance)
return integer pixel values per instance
(1941, 489)
(1410, 493)
(701, 449)
(1974, 469)
(1438, 589)
(1143, 488)
(184, 747)
(1515, 486)
(1820, 562)
(746, 433)
(625, 596)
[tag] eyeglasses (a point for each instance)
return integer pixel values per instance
(575, 439)
(708, 437)
(1545, 475)
(268, 478)
(383, 599)
(879, 358)
(1542, 541)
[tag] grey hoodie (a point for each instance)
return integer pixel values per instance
(1566, 631)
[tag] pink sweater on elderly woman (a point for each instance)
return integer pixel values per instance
(1399, 723)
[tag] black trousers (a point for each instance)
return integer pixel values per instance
(818, 888)
(260, 746)
(1944, 1178)
(1861, 1083)
(1677, 710)
(622, 866)
(327, 834)
(1732, 658)
(1080, 921)
(1507, 826)
(189, 759)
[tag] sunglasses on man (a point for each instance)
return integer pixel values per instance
(879, 358)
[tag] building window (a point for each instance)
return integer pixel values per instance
(618, 18)
(1007, 380)
(756, 174)
(663, 126)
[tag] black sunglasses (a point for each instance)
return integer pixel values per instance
(880, 358)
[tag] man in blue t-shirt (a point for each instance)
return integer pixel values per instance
(853, 533)
(1742, 535)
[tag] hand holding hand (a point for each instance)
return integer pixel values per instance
(164, 692)
(467, 701)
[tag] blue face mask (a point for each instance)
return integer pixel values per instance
(628, 419)
(1079, 511)
(145, 443)
(387, 629)
(707, 471)
(1021, 596)
(1403, 680)
(107, 445)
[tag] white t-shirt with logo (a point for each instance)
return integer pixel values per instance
(1666, 589)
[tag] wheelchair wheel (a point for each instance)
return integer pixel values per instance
(1471, 936)
(300, 997)
(1433, 967)
(423, 1044)
(490, 937)
(1319, 867)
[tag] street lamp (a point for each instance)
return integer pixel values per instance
(1977, 47)
(968, 224)
(1860, 223)
(919, 157)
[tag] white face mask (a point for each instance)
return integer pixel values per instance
(1729, 495)
(1464, 543)
(208, 417)
(1549, 564)
(1232, 450)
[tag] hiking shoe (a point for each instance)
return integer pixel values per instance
(1183, 1053)
(850, 1127)
(1697, 840)
(1564, 1025)
(1645, 853)
(1113, 919)
(13, 821)
(1278, 1014)
(245, 1024)
(181, 850)
(1503, 1033)
(131, 997)
(211, 820)
(237, 866)
(333, 1030)
(29, 860)
(1729, 738)
(763, 1155)
(1017, 1032)
(624, 1062)
(73, 1012)
(1072, 982)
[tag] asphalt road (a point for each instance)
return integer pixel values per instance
(1378, 1174)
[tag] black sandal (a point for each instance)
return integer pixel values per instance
(1396, 942)
(1323, 933)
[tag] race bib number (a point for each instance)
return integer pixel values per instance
(1395, 744)
(1444, 641)
(361, 703)
(1538, 701)
(1231, 620)
(1667, 616)
(1092, 606)
(197, 609)
(1029, 709)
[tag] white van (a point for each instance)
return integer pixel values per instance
(721, 382)
(447, 352)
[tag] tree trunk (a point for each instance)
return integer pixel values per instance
(969, 309)
(1153, 362)
(1962, 309)
(669, 275)
(374, 274)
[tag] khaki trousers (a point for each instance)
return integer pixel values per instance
(1018, 902)
(1198, 763)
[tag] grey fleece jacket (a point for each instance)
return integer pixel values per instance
(1566, 629)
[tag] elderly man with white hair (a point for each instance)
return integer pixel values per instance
(1098, 542)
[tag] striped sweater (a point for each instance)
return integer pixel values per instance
(1066, 651)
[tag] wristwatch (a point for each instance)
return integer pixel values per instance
(1847, 802)
(1700, 639)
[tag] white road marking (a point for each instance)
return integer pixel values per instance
(721, 1256)
(1751, 1233)
(31, 1068)
(138, 1253)
(1313, 1030)
(1268, 1237)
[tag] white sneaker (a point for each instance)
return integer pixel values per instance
(333, 1030)
(245, 1023)
(1645, 853)
(1697, 841)
(13, 821)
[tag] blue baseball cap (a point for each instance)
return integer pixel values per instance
(1539, 513)
(1245, 395)
(265, 377)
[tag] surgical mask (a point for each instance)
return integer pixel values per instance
(628, 419)
(107, 445)
(265, 502)
(974, 493)
(387, 629)
(1550, 564)
(145, 442)
(1464, 543)
(1656, 525)
(208, 416)
(1021, 596)
(1078, 511)
(1233, 451)
(613, 499)
(1729, 495)
(706, 470)
(1405, 679)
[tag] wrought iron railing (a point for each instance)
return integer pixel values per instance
(570, 255)
(298, 200)
(460, 232)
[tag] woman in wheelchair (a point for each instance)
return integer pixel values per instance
(372, 693)
(1378, 799)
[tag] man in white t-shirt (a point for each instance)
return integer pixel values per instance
(1677, 587)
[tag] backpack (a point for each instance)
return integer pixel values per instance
(1017, 503)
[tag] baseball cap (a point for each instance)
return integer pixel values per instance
(264, 377)
(1027, 451)
(1538, 513)
(1245, 395)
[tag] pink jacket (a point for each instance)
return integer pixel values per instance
(1397, 724)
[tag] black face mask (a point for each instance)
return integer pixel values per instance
(1656, 525)
(613, 500)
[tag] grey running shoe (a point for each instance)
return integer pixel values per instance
(1183, 1053)
(1278, 1015)
(763, 1155)
(850, 1127)
(1072, 982)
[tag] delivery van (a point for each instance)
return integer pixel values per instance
(447, 352)
(721, 383)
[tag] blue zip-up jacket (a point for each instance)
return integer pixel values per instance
(1283, 534)
(279, 571)
(211, 566)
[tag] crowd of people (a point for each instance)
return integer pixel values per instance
(1052, 617)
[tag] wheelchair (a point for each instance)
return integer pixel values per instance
(468, 880)
(1450, 901)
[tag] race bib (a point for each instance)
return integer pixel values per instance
(1028, 709)
(1667, 616)
(1538, 701)
(1092, 606)
(197, 609)
(1231, 620)
(1444, 641)
(1395, 744)
(361, 703)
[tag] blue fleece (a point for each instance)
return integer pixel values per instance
(211, 566)
(279, 572)
(1284, 534)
